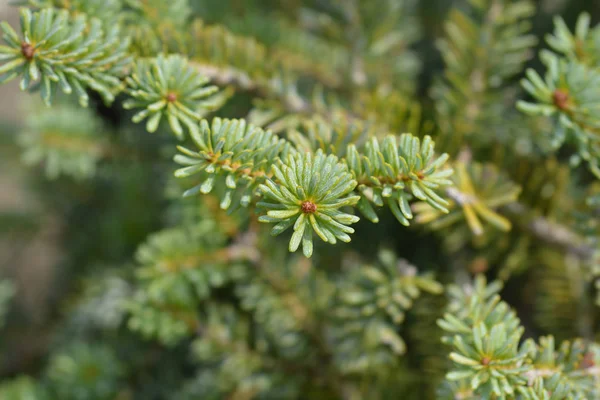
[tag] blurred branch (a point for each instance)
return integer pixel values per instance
(550, 232)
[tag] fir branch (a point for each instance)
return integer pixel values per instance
(300, 195)
(74, 53)
(108, 11)
(394, 172)
(479, 190)
(229, 59)
(581, 44)
(233, 60)
(370, 306)
(293, 53)
(331, 136)
(179, 269)
(278, 325)
(324, 82)
(569, 93)
(167, 87)
(569, 371)
(66, 140)
(297, 49)
(485, 335)
(234, 152)
(155, 26)
(85, 370)
(240, 371)
(486, 45)
(307, 192)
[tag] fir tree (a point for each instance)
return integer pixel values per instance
(318, 199)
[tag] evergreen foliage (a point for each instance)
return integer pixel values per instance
(489, 353)
(66, 139)
(308, 193)
(168, 87)
(568, 92)
(55, 49)
(424, 160)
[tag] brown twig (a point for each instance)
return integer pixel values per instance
(551, 232)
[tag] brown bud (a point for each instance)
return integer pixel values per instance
(171, 97)
(560, 98)
(479, 265)
(28, 50)
(308, 207)
(588, 360)
(485, 361)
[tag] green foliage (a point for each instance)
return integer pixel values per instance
(169, 268)
(151, 23)
(65, 140)
(370, 307)
(580, 45)
(307, 192)
(168, 87)
(85, 372)
(102, 304)
(155, 10)
(295, 49)
(291, 118)
(153, 321)
(233, 151)
(569, 93)
(179, 268)
(239, 371)
(490, 359)
(214, 48)
(331, 136)
(565, 371)
(105, 10)
(478, 191)
(21, 388)
(556, 296)
(279, 323)
(485, 45)
(485, 335)
(74, 53)
(569, 90)
(396, 171)
(147, 23)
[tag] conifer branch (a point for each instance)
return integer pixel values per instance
(307, 191)
(328, 88)
(166, 87)
(65, 140)
(486, 45)
(73, 53)
(394, 172)
(490, 359)
(105, 10)
(370, 306)
(478, 191)
(241, 155)
(568, 93)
